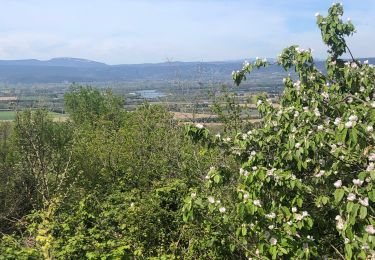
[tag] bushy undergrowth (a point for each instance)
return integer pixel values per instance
(112, 184)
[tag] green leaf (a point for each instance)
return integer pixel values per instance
(363, 212)
(339, 193)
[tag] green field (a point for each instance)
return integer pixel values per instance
(11, 115)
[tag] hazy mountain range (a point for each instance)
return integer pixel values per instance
(65, 70)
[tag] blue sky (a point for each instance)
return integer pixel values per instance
(123, 31)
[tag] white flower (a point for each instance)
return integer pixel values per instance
(340, 224)
(273, 241)
(211, 199)
(316, 112)
(338, 184)
(222, 210)
(193, 195)
(349, 124)
(290, 222)
(337, 120)
(244, 136)
(271, 227)
(350, 100)
(298, 217)
(361, 89)
(310, 238)
(296, 114)
(357, 182)
(257, 203)
(370, 229)
(371, 157)
(297, 145)
(284, 80)
(200, 126)
(305, 109)
(317, 14)
(370, 129)
(294, 209)
(259, 102)
(363, 202)
(246, 196)
(351, 197)
(353, 65)
(373, 104)
(253, 153)
(320, 127)
(305, 213)
(254, 168)
(325, 95)
(370, 167)
(227, 139)
(132, 204)
(320, 173)
(353, 118)
(271, 215)
(217, 135)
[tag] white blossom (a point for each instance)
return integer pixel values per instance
(273, 241)
(371, 157)
(294, 209)
(222, 210)
(337, 120)
(257, 203)
(217, 135)
(338, 183)
(370, 129)
(271, 215)
(259, 102)
(253, 153)
(320, 127)
(316, 112)
(373, 104)
(370, 229)
(340, 223)
(353, 118)
(271, 227)
(363, 202)
(200, 126)
(246, 196)
(370, 167)
(298, 216)
(320, 173)
(351, 197)
(211, 199)
(349, 124)
(193, 195)
(297, 145)
(357, 182)
(305, 213)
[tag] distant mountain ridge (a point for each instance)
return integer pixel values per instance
(58, 70)
(54, 62)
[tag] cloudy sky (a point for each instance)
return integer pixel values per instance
(124, 31)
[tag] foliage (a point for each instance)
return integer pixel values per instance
(305, 188)
(112, 184)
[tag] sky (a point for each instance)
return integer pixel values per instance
(143, 31)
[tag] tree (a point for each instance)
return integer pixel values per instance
(306, 185)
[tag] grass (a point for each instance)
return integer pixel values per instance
(11, 115)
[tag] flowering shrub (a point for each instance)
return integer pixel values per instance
(305, 187)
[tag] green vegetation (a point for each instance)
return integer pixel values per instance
(114, 184)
